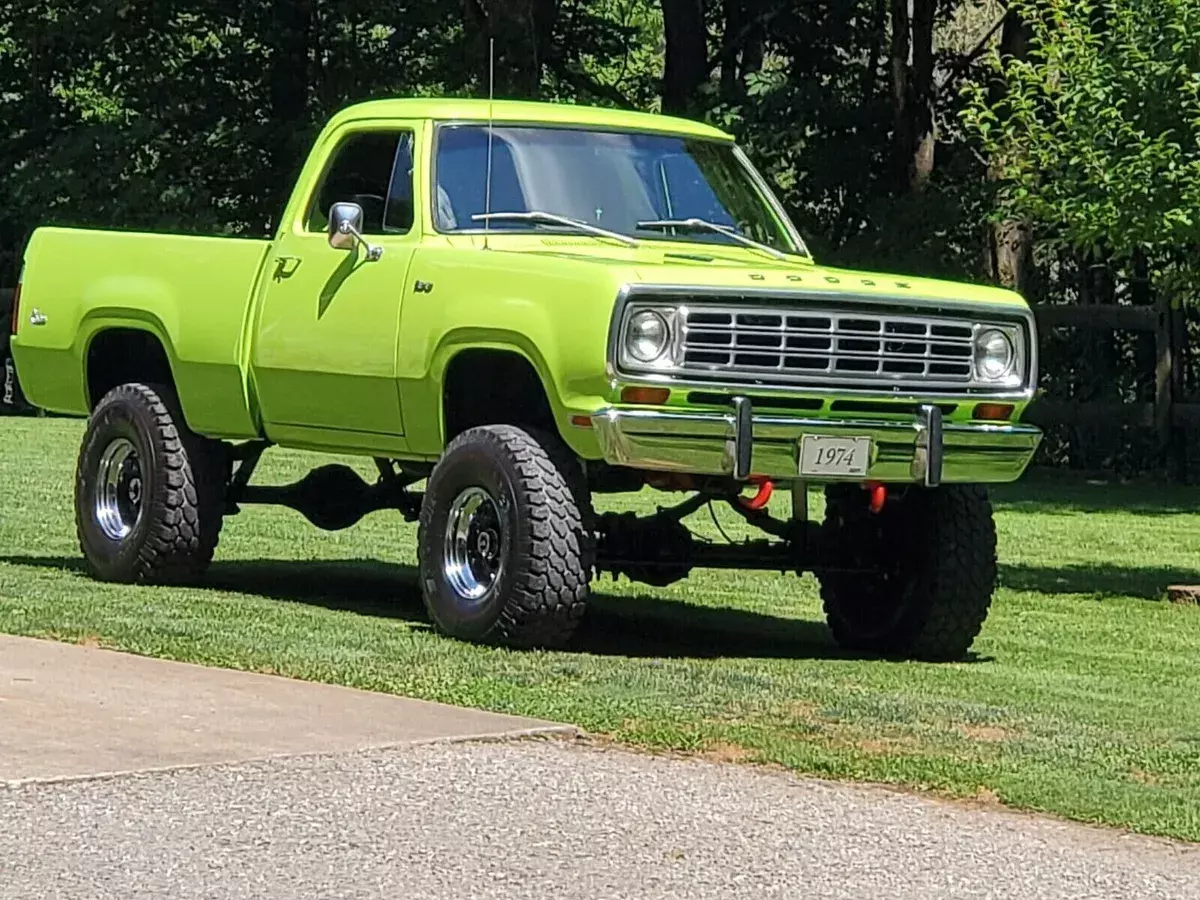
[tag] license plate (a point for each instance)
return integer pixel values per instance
(844, 457)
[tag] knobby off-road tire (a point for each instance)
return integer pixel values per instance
(936, 557)
(506, 547)
(149, 494)
(12, 401)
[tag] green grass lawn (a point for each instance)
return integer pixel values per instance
(1081, 699)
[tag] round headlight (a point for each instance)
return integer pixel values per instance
(994, 354)
(647, 336)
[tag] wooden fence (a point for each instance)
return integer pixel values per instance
(1166, 413)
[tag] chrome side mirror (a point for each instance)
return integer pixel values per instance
(345, 219)
(345, 230)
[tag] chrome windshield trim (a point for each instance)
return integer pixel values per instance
(772, 201)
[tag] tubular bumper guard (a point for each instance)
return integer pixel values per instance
(740, 443)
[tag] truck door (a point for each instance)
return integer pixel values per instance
(324, 354)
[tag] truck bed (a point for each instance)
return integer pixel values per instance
(193, 293)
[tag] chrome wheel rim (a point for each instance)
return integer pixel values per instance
(473, 553)
(119, 490)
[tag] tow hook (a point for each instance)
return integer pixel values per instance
(765, 488)
(878, 496)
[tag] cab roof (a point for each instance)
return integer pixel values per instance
(511, 111)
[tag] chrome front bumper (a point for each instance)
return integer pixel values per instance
(741, 443)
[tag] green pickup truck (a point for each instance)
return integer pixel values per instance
(517, 307)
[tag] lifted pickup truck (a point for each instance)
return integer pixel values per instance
(521, 306)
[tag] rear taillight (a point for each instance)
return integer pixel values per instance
(16, 306)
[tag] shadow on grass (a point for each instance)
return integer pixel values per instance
(1061, 493)
(1148, 583)
(645, 626)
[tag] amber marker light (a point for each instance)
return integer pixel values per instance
(581, 421)
(646, 396)
(994, 412)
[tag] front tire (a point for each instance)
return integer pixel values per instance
(505, 545)
(932, 555)
(149, 493)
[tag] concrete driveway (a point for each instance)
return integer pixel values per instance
(409, 818)
(69, 711)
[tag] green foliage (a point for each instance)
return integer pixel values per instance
(162, 116)
(1097, 135)
(194, 116)
(191, 116)
(613, 53)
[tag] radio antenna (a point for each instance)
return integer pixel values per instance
(487, 190)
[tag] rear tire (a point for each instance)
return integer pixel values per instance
(935, 553)
(12, 401)
(505, 540)
(149, 494)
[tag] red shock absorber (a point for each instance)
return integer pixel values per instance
(765, 488)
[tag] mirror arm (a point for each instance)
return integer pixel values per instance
(374, 251)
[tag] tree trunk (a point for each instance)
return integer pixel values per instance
(523, 31)
(902, 129)
(686, 66)
(920, 165)
(755, 41)
(1012, 255)
(734, 22)
(1011, 241)
(912, 93)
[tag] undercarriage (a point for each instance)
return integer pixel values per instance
(332, 497)
(508, 541)
(657, 549)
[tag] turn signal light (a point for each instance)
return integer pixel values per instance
(648, 396)
(994, 412)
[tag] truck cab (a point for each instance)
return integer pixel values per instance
(519, 306)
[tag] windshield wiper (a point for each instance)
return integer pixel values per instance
(705, 225)
(537, 215)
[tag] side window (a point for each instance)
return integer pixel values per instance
(398, 217)
(374, 170)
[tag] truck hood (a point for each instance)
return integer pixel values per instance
(735, 268)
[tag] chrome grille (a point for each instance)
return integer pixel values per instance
(827, 346)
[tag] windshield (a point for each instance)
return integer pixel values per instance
(623, 182)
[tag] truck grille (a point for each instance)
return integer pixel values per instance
(826, 346)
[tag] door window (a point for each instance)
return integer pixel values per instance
(375, 170)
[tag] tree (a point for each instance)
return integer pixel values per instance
(523, 31)
(911, 66)
(1010, 245)
(1095, 135)
(685, 66)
